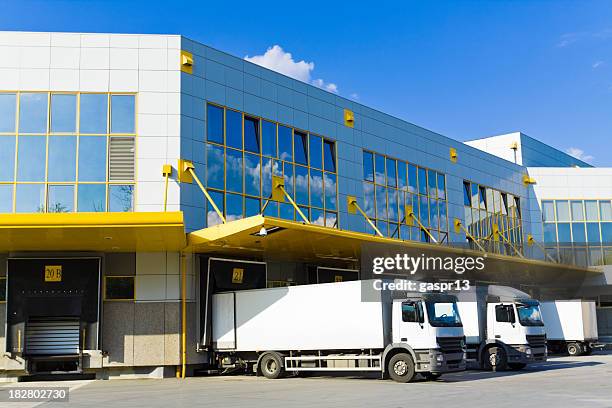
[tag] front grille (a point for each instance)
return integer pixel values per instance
(536, 340)
(450, 344)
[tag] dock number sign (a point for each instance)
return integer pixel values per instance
(237, 275)
(53, 273)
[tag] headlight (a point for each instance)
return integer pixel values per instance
(528, 351)
(440, 357)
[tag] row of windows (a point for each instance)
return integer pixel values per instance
(244, 152)
(84, 197)
(393, 186)
(63, 157)
(86, 113)
(576, 210)
(251, 134)
(491, 200)
(578, 232)
(386, 171)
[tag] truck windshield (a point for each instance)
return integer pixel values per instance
(529, 315)
(443, 314)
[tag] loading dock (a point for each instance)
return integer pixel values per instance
(53, 311)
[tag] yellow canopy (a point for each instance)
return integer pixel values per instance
(134, 231)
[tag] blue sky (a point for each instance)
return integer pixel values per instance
(466, 69)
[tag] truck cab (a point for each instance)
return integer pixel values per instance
(431, 327)
(515, 334)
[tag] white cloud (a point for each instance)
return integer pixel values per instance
(597, 64)
(354, 96)
(277, 59)
(579, 154)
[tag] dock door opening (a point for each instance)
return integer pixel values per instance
(53, 309)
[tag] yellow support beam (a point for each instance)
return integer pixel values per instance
(353, 207)
(186, 174)
(411, 217)
(166, 172)
(507, 241)
(459, 227)
(278, 184)
(531, 241)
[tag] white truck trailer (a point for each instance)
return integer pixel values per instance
(503, 328)
(328, 327)
(571, 326)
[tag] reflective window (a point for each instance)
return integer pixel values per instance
(550, 233)
(251, 206)
(6, 198)
(214, 124)
(301, 148)
(578, 232)
(562, 211)
(606, 233)
(252, 177)
(412, 178)
(402, 175)
(317, 217)
(285, 144)
(563, 232)
(381, 203)
(123, 114)
(369, 201)
(212, 218)
(441, 186)
(251, 134)
(233, 210)
(329, 155)
(33, 113)
(91, 198)
(31, 158)
(577, 211)
(379, 167)
(60, 198)
(466, 194)
(92, 158)
(214, 167)
(368, 166)
(593, 232)
(422, 181)
(121, 198)
(316, 188)
(330, 191)
(8, 109)
(234, 170)
(62, 158)
(119, 288)
(316, 151)
(301, 185)
(30, 198)
(233, 128)
(7, 158)
(391, 173)
(605, 210)
(63, 113)
(93, 113)
(268, 138)
(592, 212)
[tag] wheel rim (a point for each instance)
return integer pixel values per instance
(572, 349)
(400, 367)
(493, 359)
(271, 366)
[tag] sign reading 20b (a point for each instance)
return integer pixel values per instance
(53, 273)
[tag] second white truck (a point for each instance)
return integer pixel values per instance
(571, 326)
(503, 328)
(329, 327)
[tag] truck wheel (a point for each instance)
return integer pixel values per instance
(495, 359)
(574, 349)
(401, 368)
(517, 366)
(270, 365)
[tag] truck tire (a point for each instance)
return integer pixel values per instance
(495, 359)
(517, 366)
(574, 349)
(271, 366)
(401, 368)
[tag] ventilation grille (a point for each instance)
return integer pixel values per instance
(121, 159)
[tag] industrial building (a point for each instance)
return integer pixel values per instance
(139, 174)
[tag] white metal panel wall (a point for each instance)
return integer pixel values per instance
(468, 311)
(309, 317)
(563, 319)
(589, 318)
